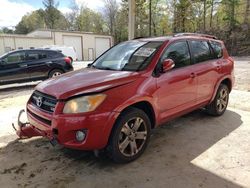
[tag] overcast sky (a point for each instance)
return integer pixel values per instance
(11, 11)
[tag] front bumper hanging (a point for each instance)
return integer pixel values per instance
(24, 130)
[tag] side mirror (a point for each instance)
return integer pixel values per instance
(167, 65)
(2, 62)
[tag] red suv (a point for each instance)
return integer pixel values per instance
(132, 88)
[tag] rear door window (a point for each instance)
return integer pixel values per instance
(32, 56)
(217, 49)
(179, 53)
(42, 55)
(200, 50)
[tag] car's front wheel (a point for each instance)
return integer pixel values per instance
(130, 136)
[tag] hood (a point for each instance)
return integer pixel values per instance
(83, 81)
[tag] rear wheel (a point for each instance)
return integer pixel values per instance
(55, 73)
(220, 102)
(130, 136)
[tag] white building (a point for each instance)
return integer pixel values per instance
(88, 45)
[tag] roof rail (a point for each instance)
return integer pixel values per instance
(195, 34)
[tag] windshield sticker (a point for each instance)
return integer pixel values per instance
(145, 52)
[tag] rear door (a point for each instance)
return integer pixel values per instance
(206, 67)
(38, 64)
(13, 67)
(176, 88)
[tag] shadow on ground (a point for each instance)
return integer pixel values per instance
(165, 163)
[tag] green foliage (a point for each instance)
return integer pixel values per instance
(30, 22)
(228, 19)
(6, 30)
(54, 19)
(89, 21)
(50, 18)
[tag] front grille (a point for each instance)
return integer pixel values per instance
(44, 101)
(46, 121)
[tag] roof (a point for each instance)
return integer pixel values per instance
(35, 49)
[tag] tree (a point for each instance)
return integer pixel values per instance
(31, 22)
(110, 13)
(247, 13)
(122, 22)
(72, 15)
(6, 30)
(230, 6)
(53, 17)
(181, 14)
(89, 21)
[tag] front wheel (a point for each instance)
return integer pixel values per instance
(220, 102)
(130, 136)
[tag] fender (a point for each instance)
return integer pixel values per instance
(117, 111)
(135, 100)
(218, 84)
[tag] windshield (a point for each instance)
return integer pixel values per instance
(4, 55)
(128, 56)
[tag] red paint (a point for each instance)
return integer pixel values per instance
(170, 94)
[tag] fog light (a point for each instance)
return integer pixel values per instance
(80, 136)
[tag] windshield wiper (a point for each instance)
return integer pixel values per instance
(103, 68)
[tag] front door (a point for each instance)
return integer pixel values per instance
(13, 68)
(177, 88)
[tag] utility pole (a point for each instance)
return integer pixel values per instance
(131, 20)
(150, 17)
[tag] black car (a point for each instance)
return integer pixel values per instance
(31, 65)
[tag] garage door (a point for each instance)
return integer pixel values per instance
(76, 42)
(101, 45)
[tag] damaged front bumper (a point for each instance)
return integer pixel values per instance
(24, 129)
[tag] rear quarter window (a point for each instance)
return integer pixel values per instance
(54, 54)
(217, 49)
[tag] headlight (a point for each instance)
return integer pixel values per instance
(83, 104)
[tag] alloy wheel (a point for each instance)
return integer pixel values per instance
(222, 100)
(132, 137)
(56, 74)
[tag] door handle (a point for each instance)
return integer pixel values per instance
(23, 65)
(192, 75)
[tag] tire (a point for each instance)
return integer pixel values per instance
(219, 105)
(55, 72)
(127, 141)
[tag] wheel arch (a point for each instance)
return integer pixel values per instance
(55, 68)
(146, 107)
(227, 81)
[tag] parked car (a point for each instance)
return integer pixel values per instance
(68, 51)
(30, 65)
(131, 89)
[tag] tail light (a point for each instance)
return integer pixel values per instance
(67, 60)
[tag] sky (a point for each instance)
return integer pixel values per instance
(11, 11)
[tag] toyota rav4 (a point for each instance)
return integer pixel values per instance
(135, 86)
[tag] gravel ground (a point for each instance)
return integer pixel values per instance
(195, 150)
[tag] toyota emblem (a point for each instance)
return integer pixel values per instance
(39, 101)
